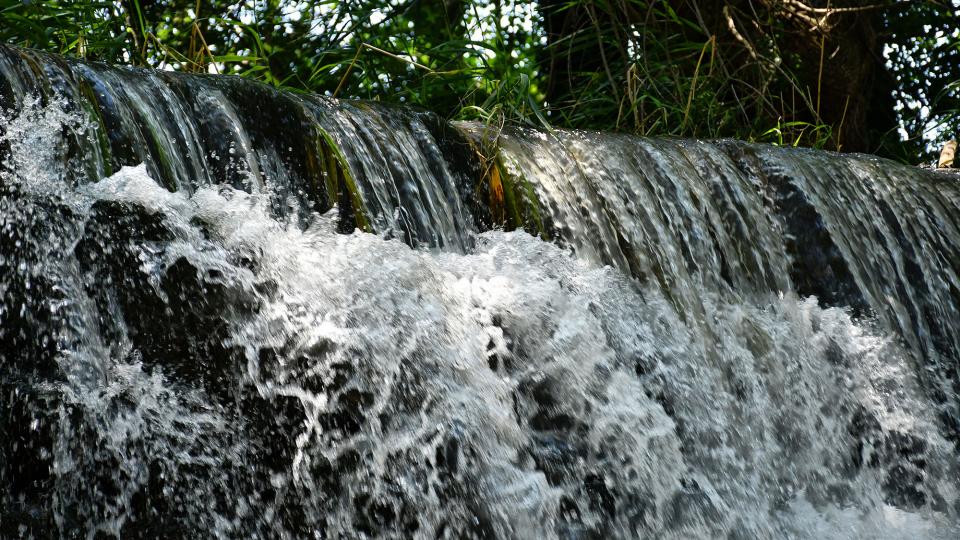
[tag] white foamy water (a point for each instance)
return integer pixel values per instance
(518, 391)
(228, 373)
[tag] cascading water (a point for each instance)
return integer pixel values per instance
(196, 341)
(858, 232)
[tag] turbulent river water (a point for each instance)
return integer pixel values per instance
(231, 312)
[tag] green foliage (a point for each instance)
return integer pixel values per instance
(923, 47)
(86, 29)
(690, 68)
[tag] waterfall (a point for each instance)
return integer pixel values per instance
(232, 311)
(855, 231)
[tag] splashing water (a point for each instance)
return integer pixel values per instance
(189, 363)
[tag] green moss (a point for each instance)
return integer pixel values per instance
(92, 107)
(163, 160)
(511, 200)
(39, 76)
(339, 181)
(521, 201)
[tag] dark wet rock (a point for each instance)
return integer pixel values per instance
(31, 292)
(571, 526)
(33, 314)
(903, 487)
(498, 359)
(904, 482)
(464, 166)
(645, 365)
(867, 436)
(902, 457)
(602, 501)
(448, 455)
(900, 445)
(260, 109)
(274, 423)
(690, 505)
(173, 318)
(176, 317)
(556, 456)
(27, 425)
(834, 353)
(819, 268)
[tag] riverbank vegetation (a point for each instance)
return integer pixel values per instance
(876, 76)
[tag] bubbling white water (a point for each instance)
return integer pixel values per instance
(576, 400)
(511, 391)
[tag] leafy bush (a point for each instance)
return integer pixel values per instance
(780, 71)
